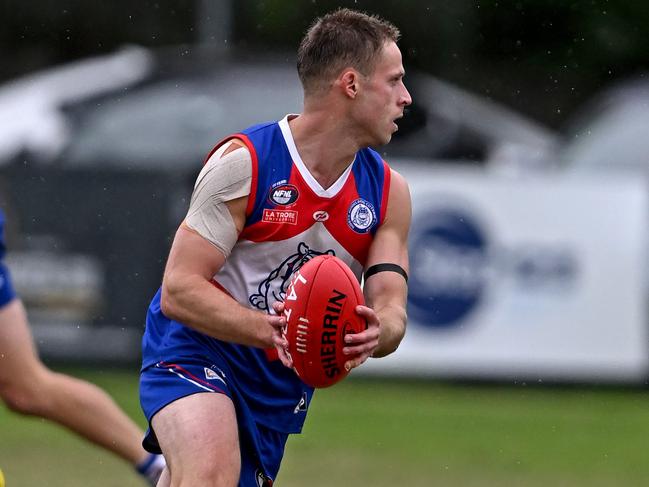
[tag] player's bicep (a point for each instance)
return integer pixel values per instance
(390, 246)
(192, 255)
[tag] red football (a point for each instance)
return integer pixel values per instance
(320, 310)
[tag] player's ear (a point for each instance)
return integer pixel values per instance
(348, 82)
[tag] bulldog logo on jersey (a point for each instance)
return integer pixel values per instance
(361, 216)
(274, 287)
(283, 195)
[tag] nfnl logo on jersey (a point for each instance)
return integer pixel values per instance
(280, 216)
(283, 195)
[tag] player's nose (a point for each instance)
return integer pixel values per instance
(405, 98)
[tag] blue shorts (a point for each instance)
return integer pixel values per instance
(7, 292)
(261, 448)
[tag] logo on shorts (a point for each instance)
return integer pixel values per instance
(302, 405)
(283, 195)
(211, 374)
(262, 480)
(361, 216)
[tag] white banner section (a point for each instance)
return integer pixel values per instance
(525, 279)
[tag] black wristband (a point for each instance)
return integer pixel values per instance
(386, 267)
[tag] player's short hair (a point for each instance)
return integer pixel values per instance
(340, 39)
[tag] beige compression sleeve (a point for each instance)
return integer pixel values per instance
(222, 179)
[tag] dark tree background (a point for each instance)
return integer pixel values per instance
(542, 57)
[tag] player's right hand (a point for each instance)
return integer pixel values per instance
(279, 337)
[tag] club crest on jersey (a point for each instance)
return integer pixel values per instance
(361, 215)
(283, 194)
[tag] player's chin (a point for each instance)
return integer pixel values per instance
(393, 129)
(384, 139)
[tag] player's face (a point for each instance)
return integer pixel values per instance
(384, 96)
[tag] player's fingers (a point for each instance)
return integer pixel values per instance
(371, 334)
(279, 340)
(278, 306)
(281, 345)
(356, 361)
(369, 314)
(278, 331)
(361, 348)
(278, 322)
(285, 357)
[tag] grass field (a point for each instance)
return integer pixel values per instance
(386, 433)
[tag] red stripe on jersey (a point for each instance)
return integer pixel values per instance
(253, 155)
(301, 215)
(357, 244)
(387, 173)
(253, 182)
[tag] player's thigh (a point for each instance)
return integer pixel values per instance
(18, 356)
(198, 435)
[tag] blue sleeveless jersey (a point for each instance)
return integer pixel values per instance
(289, 219)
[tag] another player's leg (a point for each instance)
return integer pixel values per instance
(199, 438)
(28, 387)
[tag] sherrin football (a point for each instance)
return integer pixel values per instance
(320, 308)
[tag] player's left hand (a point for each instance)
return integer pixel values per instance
(280, 342)
(364, 343)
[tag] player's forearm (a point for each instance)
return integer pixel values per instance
(393, 328)
(195, 302)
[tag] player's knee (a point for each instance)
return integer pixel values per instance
(29, 394)
(206, 477)
(213, 474)
(221, 478)
(20, 399)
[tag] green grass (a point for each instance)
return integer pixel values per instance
(386, 433)
(419, 434)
